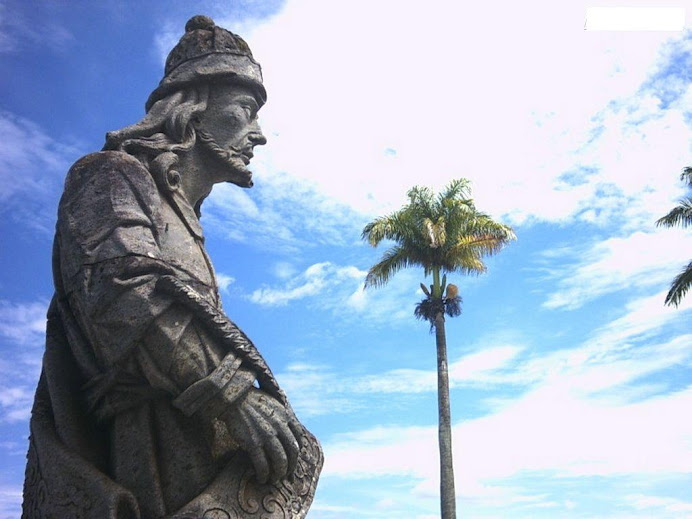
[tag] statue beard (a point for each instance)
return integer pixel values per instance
(231, 158)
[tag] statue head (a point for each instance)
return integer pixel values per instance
(204, 110)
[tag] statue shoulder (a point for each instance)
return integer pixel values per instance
(109, 184)
(104, 171)
(110, 165)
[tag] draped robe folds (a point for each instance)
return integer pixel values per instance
(114, 432)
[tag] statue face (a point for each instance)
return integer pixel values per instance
(228, 131)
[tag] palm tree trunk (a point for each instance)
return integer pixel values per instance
(447, 494)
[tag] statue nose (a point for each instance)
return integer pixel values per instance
(257, 138)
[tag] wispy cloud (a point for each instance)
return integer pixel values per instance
(643, 318)
(324, 279)
(22, 332)
(481, 367)
(279, 214)
(10, 501)
(311, 390)
(321, 390)
(652, 504)
(23, 323)
(339, 289)
(638, 260)
(15, 403)
(224, 281)
(18, 32)
(32, 166)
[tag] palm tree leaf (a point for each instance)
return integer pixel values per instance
(456, 189)
(681, 284)
(486, 245)
(393, 260)
(680, 215)
(453, 306)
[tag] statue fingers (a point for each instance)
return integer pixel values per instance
(273, 448)
(285, 424)
(255, 448)
(290, 444)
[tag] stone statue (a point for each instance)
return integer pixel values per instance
(152, 403)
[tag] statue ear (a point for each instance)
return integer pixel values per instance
(167, 178)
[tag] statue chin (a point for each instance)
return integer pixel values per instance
(231, 164)
(237, 173)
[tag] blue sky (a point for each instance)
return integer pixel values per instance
(571, 382)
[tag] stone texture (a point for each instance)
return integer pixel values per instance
(152, 403)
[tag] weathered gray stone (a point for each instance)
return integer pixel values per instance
(146, 407)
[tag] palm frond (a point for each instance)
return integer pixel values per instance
(420, 199)
(428, 309)
(680, 215)
(453, 306)
(681, 284)
(434, 231)
(456, 189)
(393, 260)
(484, 245)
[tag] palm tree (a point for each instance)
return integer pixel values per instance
(680, 215)
(443, 233)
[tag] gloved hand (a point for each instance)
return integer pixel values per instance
(268, 432)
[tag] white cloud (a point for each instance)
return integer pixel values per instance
(352, 123)
(319, 390)
(643, 318)
(10, 501)
(23, 323)
(667, 504)
(321, 279)
(339, 289)
(224, 281)
(32, 166)
(639, 260)
(635, 18)
(280, 214)
(15, 403)
(478, 367)
(22, 333)
(312, 392)
(284, 270)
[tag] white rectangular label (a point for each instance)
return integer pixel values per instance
(635, 19)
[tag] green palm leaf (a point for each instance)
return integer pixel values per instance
(681, 284)
(681, 215)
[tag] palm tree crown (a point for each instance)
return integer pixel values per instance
(680, 215)
(443, 233)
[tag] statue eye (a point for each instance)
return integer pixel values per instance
(249, 111)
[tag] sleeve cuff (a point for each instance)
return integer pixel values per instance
(216, 391)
